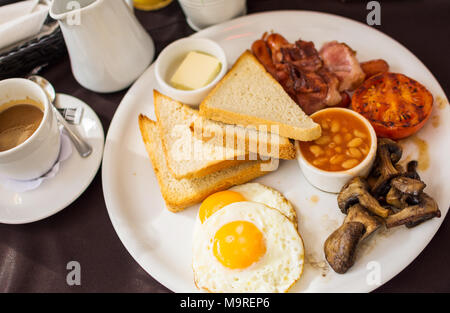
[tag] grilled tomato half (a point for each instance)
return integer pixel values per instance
(397, 106)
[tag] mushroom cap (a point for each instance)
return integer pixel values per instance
(341, 245)
(410, 186)
(388, 154)
(356, 191)
(411, 169)
(393, 147)
(350, 192)
(413, 215)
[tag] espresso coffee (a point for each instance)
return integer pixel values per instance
(17, 124)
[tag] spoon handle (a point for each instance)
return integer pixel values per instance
(82, 146)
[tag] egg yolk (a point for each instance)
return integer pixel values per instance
(238, 244)
(217, 201)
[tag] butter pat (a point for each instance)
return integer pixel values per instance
(196, 71)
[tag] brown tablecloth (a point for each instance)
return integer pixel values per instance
(33, 257)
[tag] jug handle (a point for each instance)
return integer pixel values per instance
(130, 4)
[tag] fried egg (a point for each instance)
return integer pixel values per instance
(247, 192)
(247, 247)
(266, 195)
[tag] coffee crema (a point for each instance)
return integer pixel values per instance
(17, 124)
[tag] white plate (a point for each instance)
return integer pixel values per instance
(74, 176)
(160, 241)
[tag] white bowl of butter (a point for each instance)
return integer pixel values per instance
(187, 69)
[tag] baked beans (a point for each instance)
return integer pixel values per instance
(345, 141)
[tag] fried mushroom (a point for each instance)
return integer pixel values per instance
(388, 154)
(356, 191)
(395, 198)
(413, 215)
(356, 213)
(341, 245)
(409, 186)
(411, 170)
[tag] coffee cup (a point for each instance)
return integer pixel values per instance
(29, 140)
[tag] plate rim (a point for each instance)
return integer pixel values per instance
(159, 273)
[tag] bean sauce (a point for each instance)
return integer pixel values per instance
(345, 142)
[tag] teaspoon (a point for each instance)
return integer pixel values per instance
(82, 146)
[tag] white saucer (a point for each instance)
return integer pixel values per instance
(73, 178)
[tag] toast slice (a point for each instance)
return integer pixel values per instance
(181, 193)
(253, 141)
(249, 95)
(186, 155)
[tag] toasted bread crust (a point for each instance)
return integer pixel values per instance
(229, 117)
(285, 151)
(210, 166)
(177, 201)
(284, 130)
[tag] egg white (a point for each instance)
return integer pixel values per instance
(262, 194)
(266, 195)
(277, 270)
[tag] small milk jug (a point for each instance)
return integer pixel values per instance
(108, 48)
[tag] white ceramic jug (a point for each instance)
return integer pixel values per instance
(108, 48)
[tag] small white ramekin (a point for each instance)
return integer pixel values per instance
(334, 181)
(173, 55)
